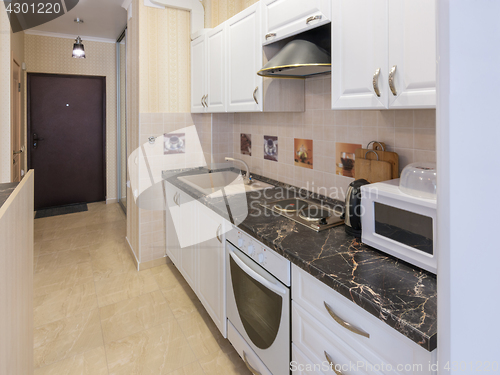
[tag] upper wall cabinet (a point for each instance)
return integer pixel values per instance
(208, 71)
(383, 54)
(284, 18)
(198, 74)
(244, 59)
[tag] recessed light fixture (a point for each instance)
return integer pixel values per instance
(78, 50)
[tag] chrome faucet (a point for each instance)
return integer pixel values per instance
(246, 179)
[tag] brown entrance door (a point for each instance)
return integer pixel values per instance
(66, 138)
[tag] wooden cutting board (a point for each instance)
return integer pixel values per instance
(373, 170)
(391, 157)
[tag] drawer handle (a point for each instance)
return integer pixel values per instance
(375, 82)
(270, 35)
(255, 92)
(345, 324)
(313, 18)
(252, 370)
(217, 233)
(391, 80)
(176, 199)
(332, 364)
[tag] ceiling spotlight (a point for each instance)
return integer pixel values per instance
(78, 49)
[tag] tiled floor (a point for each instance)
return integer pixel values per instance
(95, 314)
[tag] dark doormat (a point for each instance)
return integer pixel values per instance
(61, 210)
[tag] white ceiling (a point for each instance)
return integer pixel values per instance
(102, 19)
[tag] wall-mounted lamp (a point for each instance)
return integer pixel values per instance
(78, 49)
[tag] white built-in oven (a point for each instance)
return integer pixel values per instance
(258, 304)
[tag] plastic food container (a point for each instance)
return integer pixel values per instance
(419, 180)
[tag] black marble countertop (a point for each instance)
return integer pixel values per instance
(6, 190)
(395, 292)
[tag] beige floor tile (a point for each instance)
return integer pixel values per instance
(181, 300)
(67, 337)
(111, 261)
(50, 281)
(133, 315)
(124, 286)
(202, 334)
(223, 363)
(92, 362)
(157, 351)
(61, 259)
(191, 369)
(167, 276)
(56, 245)
(64, 303)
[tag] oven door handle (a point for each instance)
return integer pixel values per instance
(278, 289)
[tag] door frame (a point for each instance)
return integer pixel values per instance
(28, 117)
(16, 91)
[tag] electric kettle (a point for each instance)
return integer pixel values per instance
(352, 213)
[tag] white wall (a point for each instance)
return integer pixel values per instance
(468, 182)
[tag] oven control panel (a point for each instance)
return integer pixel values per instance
(261, 254)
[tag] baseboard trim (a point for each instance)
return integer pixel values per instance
(111, 200)
(154, 263)
(134, 258)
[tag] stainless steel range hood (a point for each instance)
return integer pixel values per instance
(298, 59)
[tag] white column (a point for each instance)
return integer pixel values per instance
(468, 135)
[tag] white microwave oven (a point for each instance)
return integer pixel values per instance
(398, 224)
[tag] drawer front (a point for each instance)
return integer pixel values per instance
(245, 352)
(284, 18)
(316, 342)
(383, 344)
(301, 365)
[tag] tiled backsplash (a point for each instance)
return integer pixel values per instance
(410, 133)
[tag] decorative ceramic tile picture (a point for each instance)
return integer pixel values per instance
(246, 144)
(303, 153)
(270, 148)
(174, 143)
(345, 159)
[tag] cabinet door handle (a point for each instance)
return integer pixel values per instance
(252, 370)
(313, 18)
(255, 92)
(206, 98)
(375, 82)
(391, 80)
(270, 35)
(343, 323)
(202, 103)
(217, 233)
(176, 199)
(332, 364)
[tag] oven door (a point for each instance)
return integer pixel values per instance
(258, 306)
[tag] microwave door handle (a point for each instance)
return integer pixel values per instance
(257, 277)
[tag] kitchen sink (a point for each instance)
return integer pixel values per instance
(212, 183)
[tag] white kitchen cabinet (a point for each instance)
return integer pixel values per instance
(285, 18)
(244, 60)
(198, 74)
(383, 54)
(412, 50)
(216, 69)
(211, 260)
(171, 240)
(362, 338)
(359, 50)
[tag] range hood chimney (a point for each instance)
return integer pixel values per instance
(298, 59)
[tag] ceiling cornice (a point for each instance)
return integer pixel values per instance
(69, 36)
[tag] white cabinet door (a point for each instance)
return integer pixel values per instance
(412, 50)
(171, 240)
(216, 69)
(244, 59)
(211, 260)
(284, 18)
(185, 229)
(198, 74)
(359, 51)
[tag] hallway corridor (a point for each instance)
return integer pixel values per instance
(95, 314)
